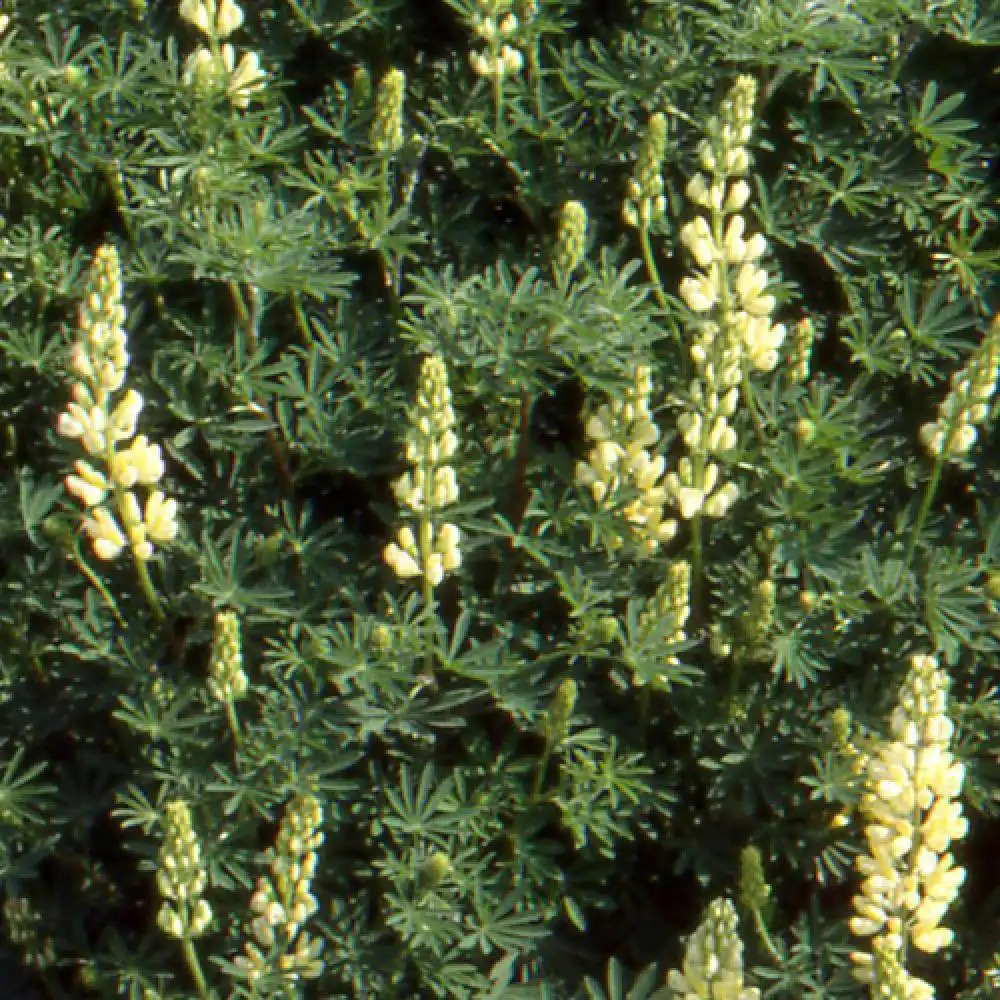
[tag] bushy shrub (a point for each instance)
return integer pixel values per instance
(499, 499)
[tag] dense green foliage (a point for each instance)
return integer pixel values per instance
(284, 277)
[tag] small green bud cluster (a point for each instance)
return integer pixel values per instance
(214, 67)
(434, 869)
(227, 680)
(283, 901)
(620, 464)
(759, 618)
(387, 125)
(106, 429)
(800, 348)
(431, 485)
(967, 404)
(560, 711)
(713, 960)
(665, 616)
(497, 25)
(181, 877)
(754, 891)
(571, 240)
(645, 201)
(913, 813)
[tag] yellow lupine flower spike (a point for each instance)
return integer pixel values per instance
(104, 420)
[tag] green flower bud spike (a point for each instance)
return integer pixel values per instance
(387, 127)
(227, 680)
(571, 241)
(755, 895)
(555, 728)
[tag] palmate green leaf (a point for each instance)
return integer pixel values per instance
(508, 924)
(421, 806)
(37, 502)
(938, 325)
(793, 661)
(969, 23)
(933, 123)
(228, 561)
(954, 609)
(22, 795)
(619, 985)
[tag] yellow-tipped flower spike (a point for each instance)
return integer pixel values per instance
(968, 402)
(215, 19)
(283, 901)
(727, 293)
(227, 680)
(645, 201)
(663, 619)
(214, 68)
(181, 877)
(620, 463)
(104, 419)
(429, 547)
(713, 960)
(495, 22)
(913, 813)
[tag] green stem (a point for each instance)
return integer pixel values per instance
(233, 721)
(304, 19)
(96, 583)
(430, 632)
(149, 591)
(750, 401)
(765, 937)
(498, 99)
(696, 561)
(918, 526)
(194, 966)
(651, 269)
(541, 770)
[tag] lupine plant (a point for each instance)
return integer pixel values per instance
(499, 499)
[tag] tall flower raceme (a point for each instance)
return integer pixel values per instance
(967, 405)
(182, 878)
(713, 960)
(283, 902)
(428, 547)
(620, 471)
(727, 293)
(952, 435)
(496, 23)
(103, 417)
(913, 813)
(660, 625)
(645, 202)
(214, 67)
